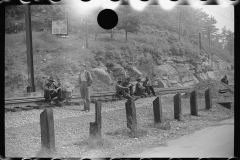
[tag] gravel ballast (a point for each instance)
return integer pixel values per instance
(23, 137)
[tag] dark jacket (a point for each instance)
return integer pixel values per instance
(88, 77)
(224, 80)
(119, 87)
(146, 83)
(52, 85)
(139, 88)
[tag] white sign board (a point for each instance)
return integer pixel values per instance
(60, 26)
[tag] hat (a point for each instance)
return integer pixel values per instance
(50, 79)
(138, 79)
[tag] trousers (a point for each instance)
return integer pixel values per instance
(148, 89)
(84, 90)
(49, 95)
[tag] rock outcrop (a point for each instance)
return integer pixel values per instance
(102, 75)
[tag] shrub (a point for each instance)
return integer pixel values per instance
(47, 37)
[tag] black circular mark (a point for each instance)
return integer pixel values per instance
(114, 0)
(85, 0)
(55, 1)
(203, 159)
(107, 19)
(145, 158)
(233, 158)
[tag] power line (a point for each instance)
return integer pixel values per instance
(219, 13)
(229, 12)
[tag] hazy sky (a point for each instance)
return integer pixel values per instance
(223, 15)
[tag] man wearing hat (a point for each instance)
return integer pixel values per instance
(148, 87)
(85, 81)
(52, 89)
(129, 85)
(224, 79)
(121, 90)
(140, 90)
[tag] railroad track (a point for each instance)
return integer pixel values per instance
(101, 96)
(97, 96)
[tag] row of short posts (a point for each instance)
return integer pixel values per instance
(47, 120)
(193, 103)
(157, 108)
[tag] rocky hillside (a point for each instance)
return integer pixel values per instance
(159, 56)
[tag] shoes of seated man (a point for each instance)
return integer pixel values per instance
(51, 103)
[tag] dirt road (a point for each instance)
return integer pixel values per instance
(214, 141)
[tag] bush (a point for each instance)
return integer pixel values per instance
(47, 37)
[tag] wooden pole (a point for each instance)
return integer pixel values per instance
(29, 47)
(87, 32)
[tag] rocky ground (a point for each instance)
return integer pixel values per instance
(23, 138)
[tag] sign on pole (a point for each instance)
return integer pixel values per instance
(60, 26)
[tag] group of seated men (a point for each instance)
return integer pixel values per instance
(52, 89)
(125, 88)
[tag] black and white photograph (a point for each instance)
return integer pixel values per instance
(103, 79)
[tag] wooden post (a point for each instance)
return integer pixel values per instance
(47, 129)
(29, 47)
(131, 114)
(95, 127)
(177, 106)
(157, 110)
(193, 103)
(208, 98)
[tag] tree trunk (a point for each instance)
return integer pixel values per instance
(112, 33)
(96, 34)
(126, 35)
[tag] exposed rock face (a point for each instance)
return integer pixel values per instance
(102, 75)
(165, 70)
(175, 72)
(117, 71)
(218, 64)
(133, 72)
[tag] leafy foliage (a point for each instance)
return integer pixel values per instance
(153, 35)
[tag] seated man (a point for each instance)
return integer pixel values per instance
(148, 87)
(52, 89)
(224, 79)
(140, 90)
(121, 90)
(127, 83)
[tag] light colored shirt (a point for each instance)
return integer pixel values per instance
(83, 76)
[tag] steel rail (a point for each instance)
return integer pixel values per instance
(96, 95)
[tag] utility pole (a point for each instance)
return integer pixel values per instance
(112, 33)
(29, 47)
(200, 41)
(87, 32)
(179, 24)
(199, 33)
(209, 35)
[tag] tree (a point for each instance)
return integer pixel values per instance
(128, 20)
